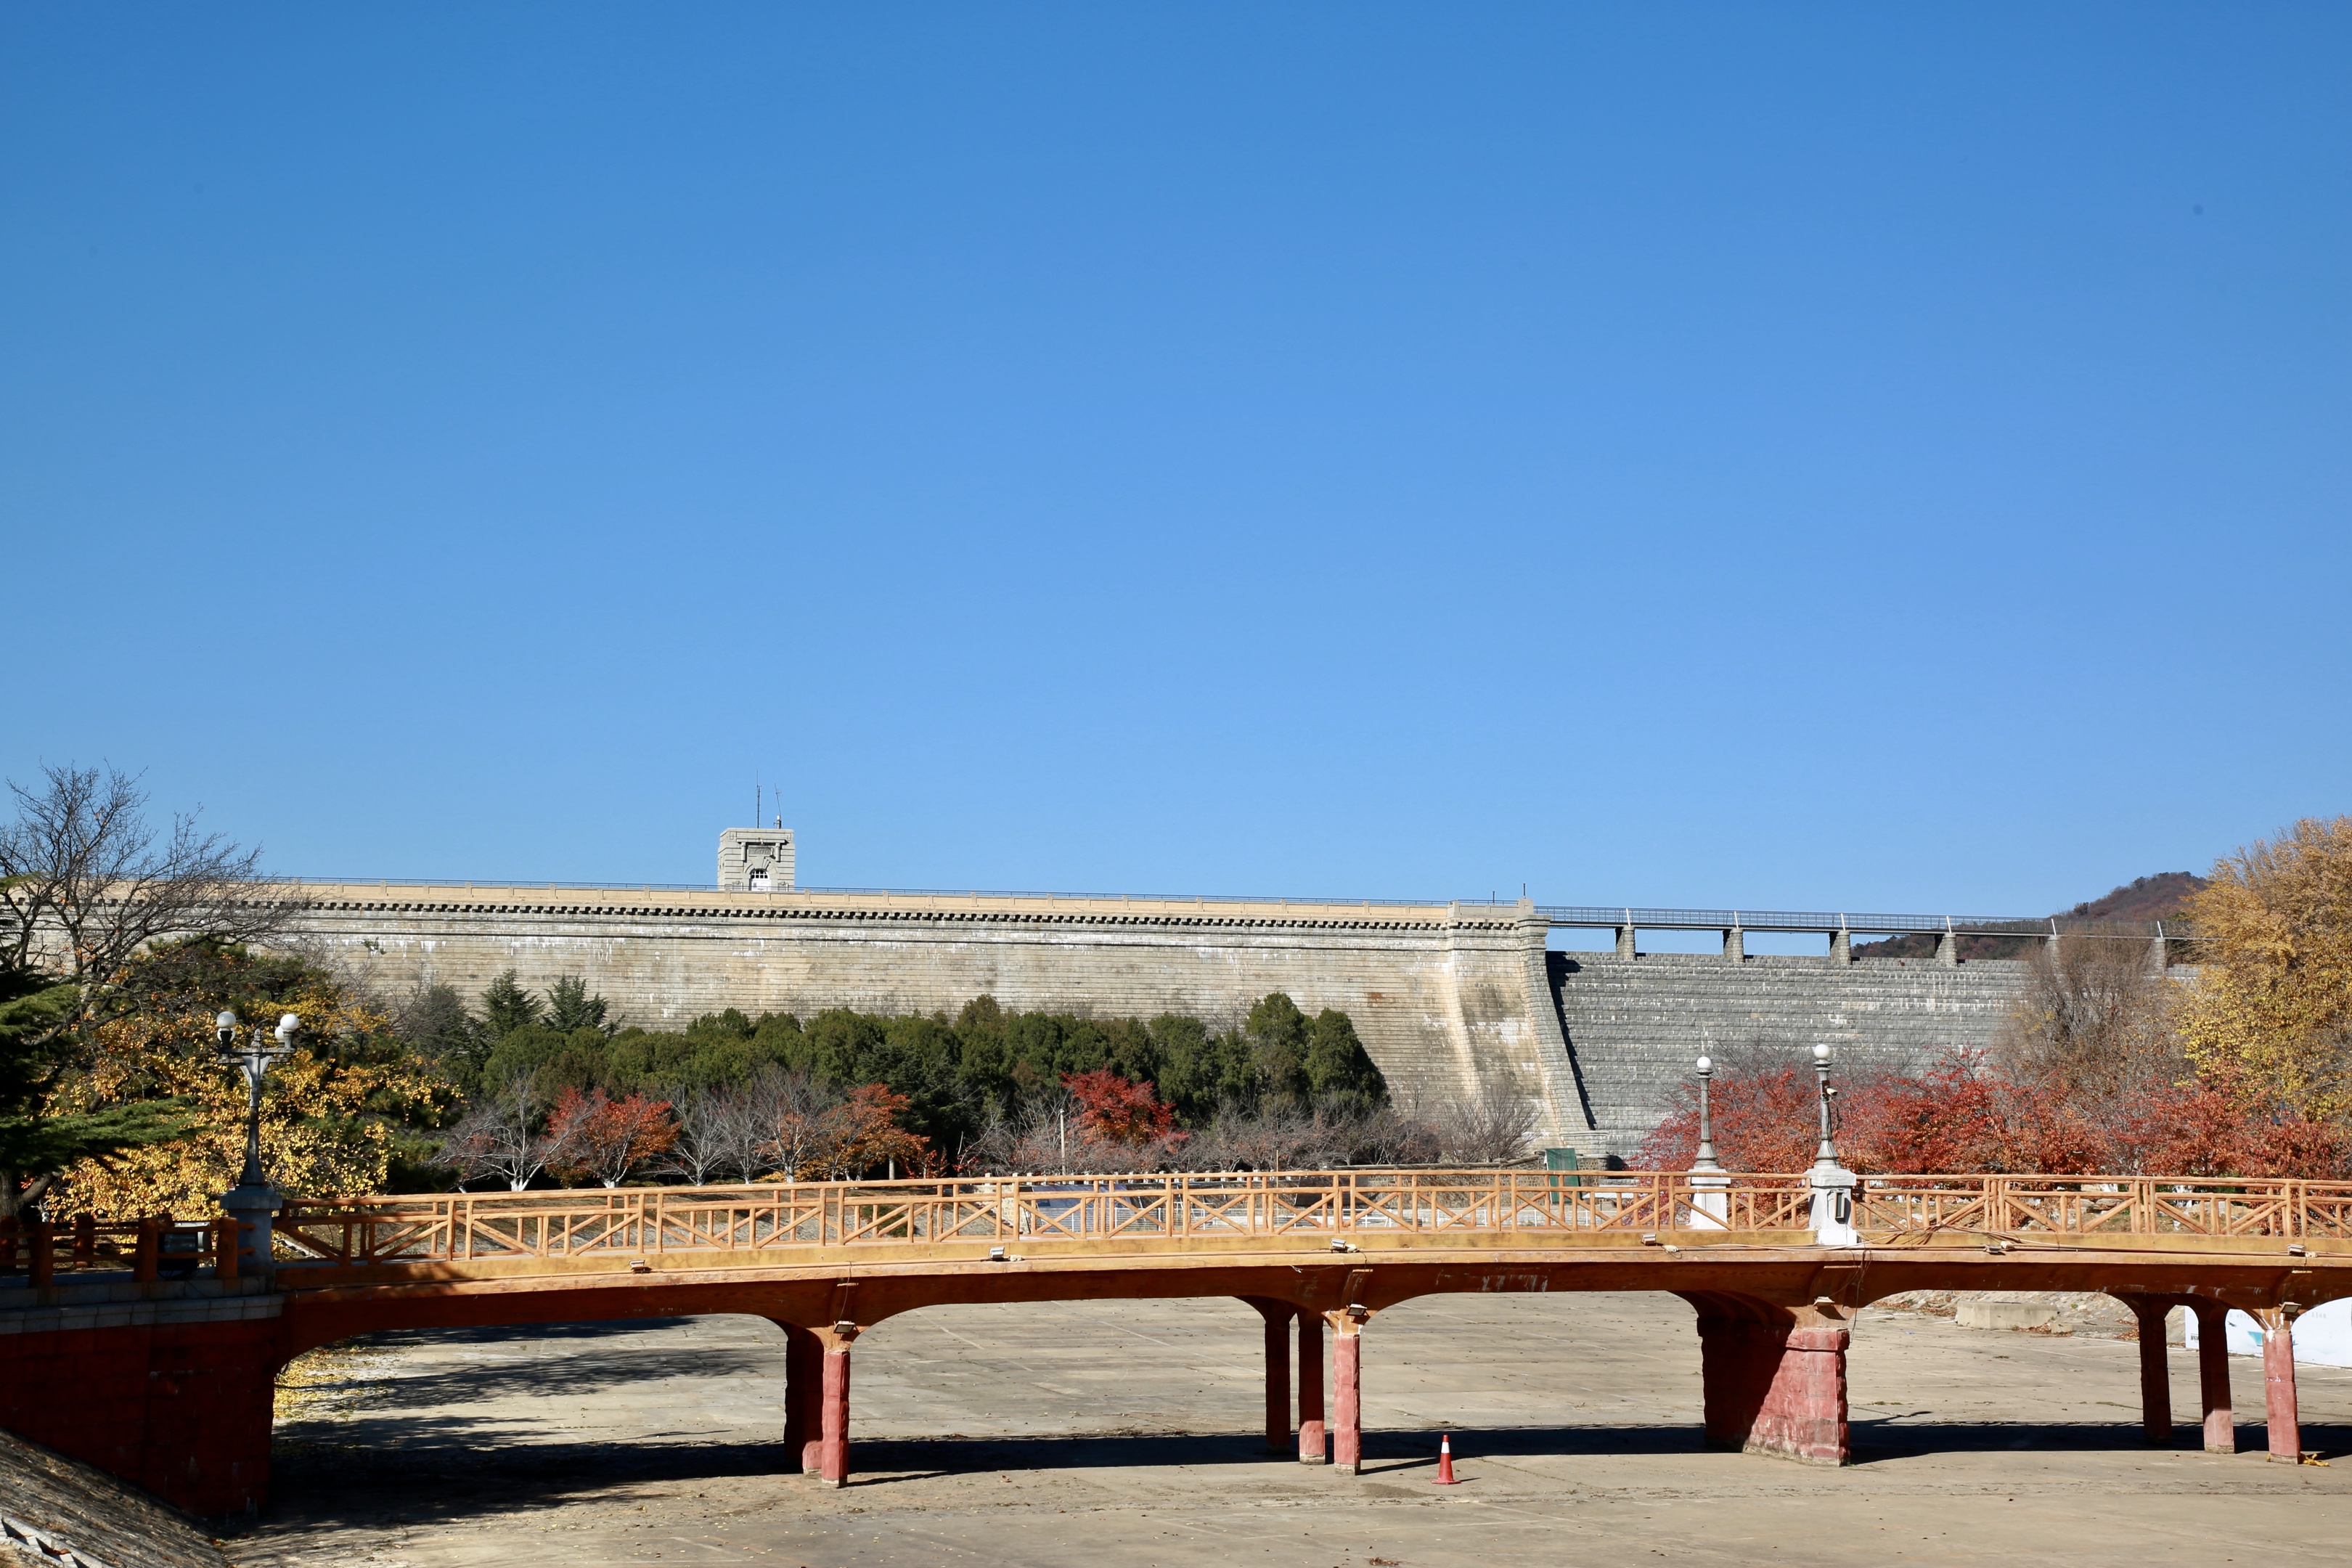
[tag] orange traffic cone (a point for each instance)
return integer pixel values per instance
(1445, 1462)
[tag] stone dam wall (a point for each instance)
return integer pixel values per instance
(1451, 1000)
(1636, 1025)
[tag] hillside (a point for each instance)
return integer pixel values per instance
(2157, 898)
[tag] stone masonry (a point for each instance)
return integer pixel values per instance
(1451, 1000)
(1636, 1025)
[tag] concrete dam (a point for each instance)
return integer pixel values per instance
(1452, 1000)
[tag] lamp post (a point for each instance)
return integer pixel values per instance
(1710, 1204)
(253, 1200)
(1705, 1163)
(1832, 1184)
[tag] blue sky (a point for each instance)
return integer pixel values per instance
(1798, 456)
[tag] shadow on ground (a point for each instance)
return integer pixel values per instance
(357, 1483)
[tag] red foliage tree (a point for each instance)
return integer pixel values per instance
(1117, 1111)
(1954, 1119)
(2199, 1130)
(1965, 1115)
(1765, 1120)
(821, 1139)
(591, 1135)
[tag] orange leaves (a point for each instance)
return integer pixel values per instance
(593, 1135)
(1765, 1120)
(1118, 1111)
(1965, 1115)
(819, 1138)
(2199, 1131)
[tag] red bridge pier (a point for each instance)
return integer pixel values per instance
(1311, 1436)
(2278, 1382)
(175, 1394)
(833, 1443)
(803, 1437)
(1347, 1374)
(1278, 1316)
(1773, 1377)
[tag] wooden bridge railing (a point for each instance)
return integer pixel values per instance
(637, 1222)
(153, 1248)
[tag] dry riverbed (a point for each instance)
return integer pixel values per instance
(1104, 1435)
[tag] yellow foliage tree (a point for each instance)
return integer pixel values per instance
(2270, 1022)
(332, 1113)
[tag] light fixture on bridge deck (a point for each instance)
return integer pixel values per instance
(253, 1201)
(1832, 1184)
(1710, 1202)
(1706, 1164)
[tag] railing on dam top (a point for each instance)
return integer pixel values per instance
(1573, 916)
(1607, 917)
(1340, 1205)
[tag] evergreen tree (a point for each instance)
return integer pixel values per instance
(507, 1007)
(1279, 1036)
(37, 1141)
(1340, 1071)
(570, 1008)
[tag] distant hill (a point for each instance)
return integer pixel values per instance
(2157, 898)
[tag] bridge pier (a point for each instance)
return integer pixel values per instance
(2154, 1371)
(833, 1445)
(1310, 1389)
(2278, 1384)
(1347, 1374)
(1773, 1381)
(803, 1434)
(2213, 1376)
(1278, 1316)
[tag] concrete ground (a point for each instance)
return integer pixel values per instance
(1103, 1435)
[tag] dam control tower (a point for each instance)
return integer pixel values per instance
(756, 860)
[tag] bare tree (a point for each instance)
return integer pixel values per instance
(502, 1136)
(85, 883)
(787, 1122)
(2094, 1027)
(717, 1133)
(1043, 1132)
(1282, 1138)
(1494, 1128)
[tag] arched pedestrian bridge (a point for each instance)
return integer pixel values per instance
(1326, 1251)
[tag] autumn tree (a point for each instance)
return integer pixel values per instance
(1118, 1111)
(591, 1135)
(338, 1115)
(39, 1139)
(87, 886)
(2269, 1023)
(1765, 1111)
(853, 1135)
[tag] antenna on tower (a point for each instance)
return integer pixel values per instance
(757, 807)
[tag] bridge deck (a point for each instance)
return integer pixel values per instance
(1171, 1217)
